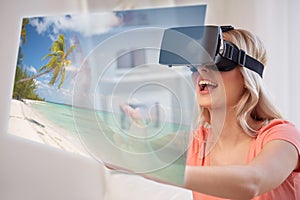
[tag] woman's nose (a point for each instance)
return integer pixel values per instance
(202, 69)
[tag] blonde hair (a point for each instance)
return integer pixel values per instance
(255, 102)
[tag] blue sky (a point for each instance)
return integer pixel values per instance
(37, 46)
(90, 29)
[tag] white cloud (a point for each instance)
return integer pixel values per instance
(46, 76)
(41, 84)
(52, 37)
(40, 26)
(51, 93)
(31, 69)
(65, 92)
(87, 25)
(72, 69)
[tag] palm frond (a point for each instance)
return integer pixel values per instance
(67, 62)
(43, 68)
(63, 75)
(55, 46)
(70, 50)
(61, 53)
(55, 74)
(23, 31)
(50, 65)
(61, 42)
(48, 55)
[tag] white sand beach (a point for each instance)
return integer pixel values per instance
(28, 124)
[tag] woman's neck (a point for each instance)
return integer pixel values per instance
(226, 127)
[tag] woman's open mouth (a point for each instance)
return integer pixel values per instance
(206, 86)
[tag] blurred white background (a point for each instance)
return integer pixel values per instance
(32, 171)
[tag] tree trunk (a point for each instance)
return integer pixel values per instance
(33, 77)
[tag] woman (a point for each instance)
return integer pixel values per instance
(256, 154)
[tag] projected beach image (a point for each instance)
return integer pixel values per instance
(91, 84)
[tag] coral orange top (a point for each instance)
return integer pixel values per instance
(275, 130)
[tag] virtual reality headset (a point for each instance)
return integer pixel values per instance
(201, 46)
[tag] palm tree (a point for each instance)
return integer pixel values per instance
(23, 31)
(57, 62)
(25, 90)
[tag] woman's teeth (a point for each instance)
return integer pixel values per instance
(205, 83)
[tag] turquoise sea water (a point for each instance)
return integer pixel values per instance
(158, 151)
(59, 114)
